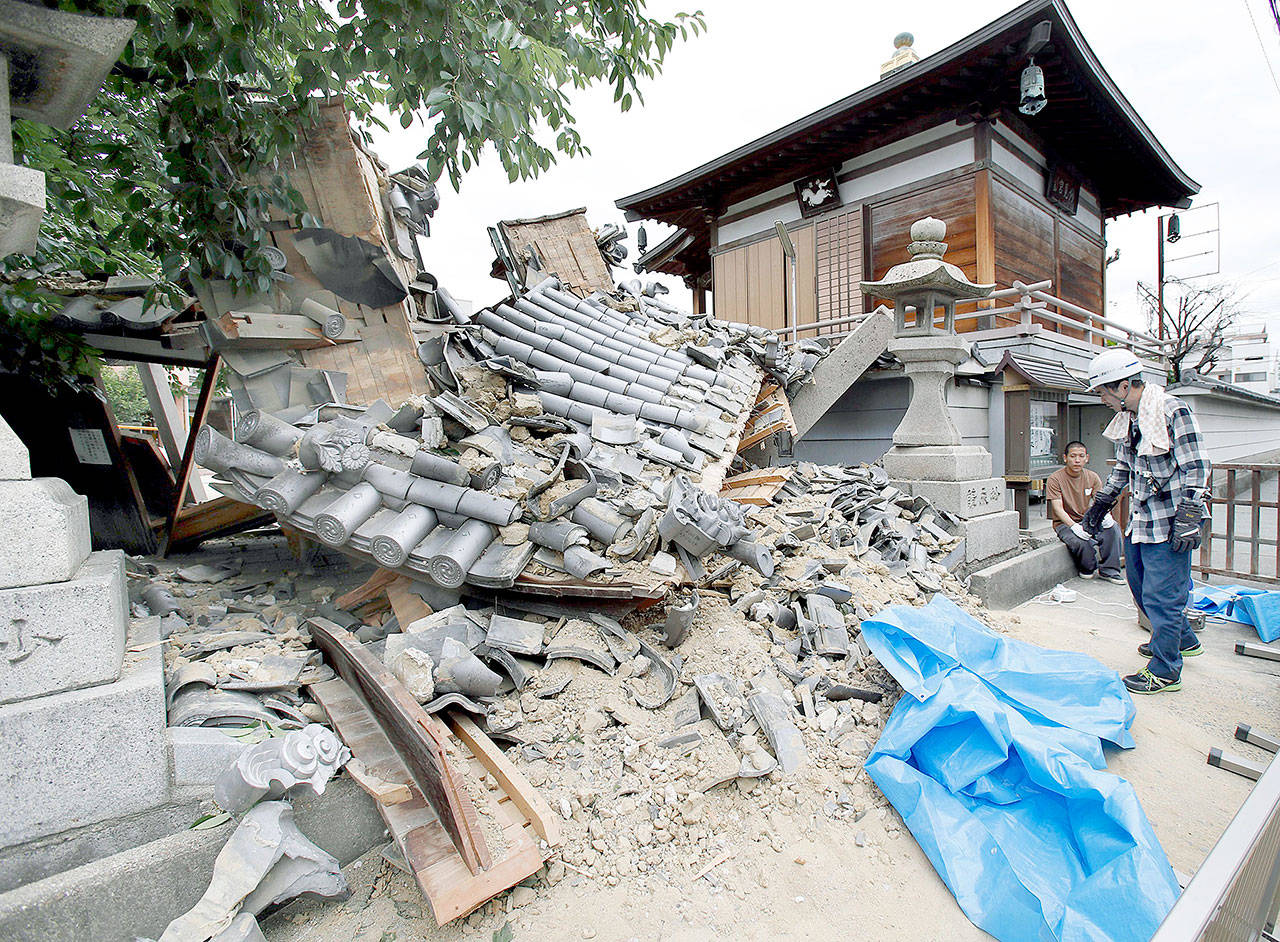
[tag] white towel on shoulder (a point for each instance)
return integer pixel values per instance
(1151, 422)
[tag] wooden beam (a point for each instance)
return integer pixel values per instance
(170, 422)
(189, 450)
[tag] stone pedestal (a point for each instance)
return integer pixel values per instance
(930, 360)
(927, 458)
(82, 723)
(83, 756)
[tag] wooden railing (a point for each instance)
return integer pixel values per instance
(1236, 490)
(1020, 307)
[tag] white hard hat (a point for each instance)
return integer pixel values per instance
(1111, 366)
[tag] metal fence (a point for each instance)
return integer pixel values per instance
(1240, 530)
(1235, 894)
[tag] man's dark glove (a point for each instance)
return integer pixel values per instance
(1185, 533)
(1093, 517)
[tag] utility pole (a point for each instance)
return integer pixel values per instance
(1160, 277)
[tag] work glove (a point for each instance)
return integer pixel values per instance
(1185, 533)
(1108, 522)
(1093, 517)
(1080, 532)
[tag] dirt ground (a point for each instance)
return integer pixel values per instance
(793, 872)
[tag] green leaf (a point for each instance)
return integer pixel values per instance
(210, 821)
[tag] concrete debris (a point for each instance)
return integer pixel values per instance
(266, 860)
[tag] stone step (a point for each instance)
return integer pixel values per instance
(1011, 582)
(136, 892)
(83, 756)
(44, 531)
(64, 635)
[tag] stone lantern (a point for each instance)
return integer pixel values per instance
(930, 356)
(927, 457)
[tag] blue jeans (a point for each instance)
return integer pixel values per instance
(1158, 578)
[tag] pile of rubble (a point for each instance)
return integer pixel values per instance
(568, 467)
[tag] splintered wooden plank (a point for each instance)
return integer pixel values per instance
(771, 413)
(406, 603)
(372, 590)
(450, 887)
(515, 785)
(416, 735)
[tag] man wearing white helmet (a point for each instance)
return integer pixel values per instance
(1160, 456)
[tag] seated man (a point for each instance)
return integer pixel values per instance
(1069, 493)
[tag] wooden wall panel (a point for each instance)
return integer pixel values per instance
(951, 202)
(838, 241)
(766, 284)
(1080, 270)
(729, 273)
(749, 284)
(1024, 237)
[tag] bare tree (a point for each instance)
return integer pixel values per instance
(1197, 320)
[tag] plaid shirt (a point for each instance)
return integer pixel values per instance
(1160, 482)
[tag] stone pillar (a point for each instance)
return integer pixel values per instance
(82, 727)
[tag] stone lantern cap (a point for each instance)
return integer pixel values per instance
(926, 272)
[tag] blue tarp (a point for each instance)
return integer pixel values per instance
(994, 760)
(1257, 607)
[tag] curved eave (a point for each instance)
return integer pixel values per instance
(675, 197)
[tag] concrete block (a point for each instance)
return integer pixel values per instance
(83, 756)
(965, 499)
(839, 370)
(65, 59)
(138, 891)
(50, 508)
(938, 463)
(22, 201)
(15, 460)
(199, 754)
(64, 635)
(990, 535)
(1011, 582)
(66, 850)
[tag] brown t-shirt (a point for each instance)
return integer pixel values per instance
(1075, 493)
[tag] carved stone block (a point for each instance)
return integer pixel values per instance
(64, 635)
(965, 499)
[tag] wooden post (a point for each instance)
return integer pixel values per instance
(699, 301)
(170, 423)
(188, 454)
(985, 238)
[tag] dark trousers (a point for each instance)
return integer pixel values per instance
(1159, 579)
(1102, 552)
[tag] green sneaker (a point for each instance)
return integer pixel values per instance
(1146, 682)
(1145, 649)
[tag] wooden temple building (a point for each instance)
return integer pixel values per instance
(1018, 139)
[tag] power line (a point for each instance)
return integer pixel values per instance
(1261, 45)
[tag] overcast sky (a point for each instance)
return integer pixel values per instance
(1194, 71)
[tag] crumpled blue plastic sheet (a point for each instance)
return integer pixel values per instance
(994, 760)
(1257, 607)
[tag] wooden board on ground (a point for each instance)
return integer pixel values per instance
(713, 475)
(218, 517)
(417, 736)
(756, 487)
(452, 889)
(771, 413)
